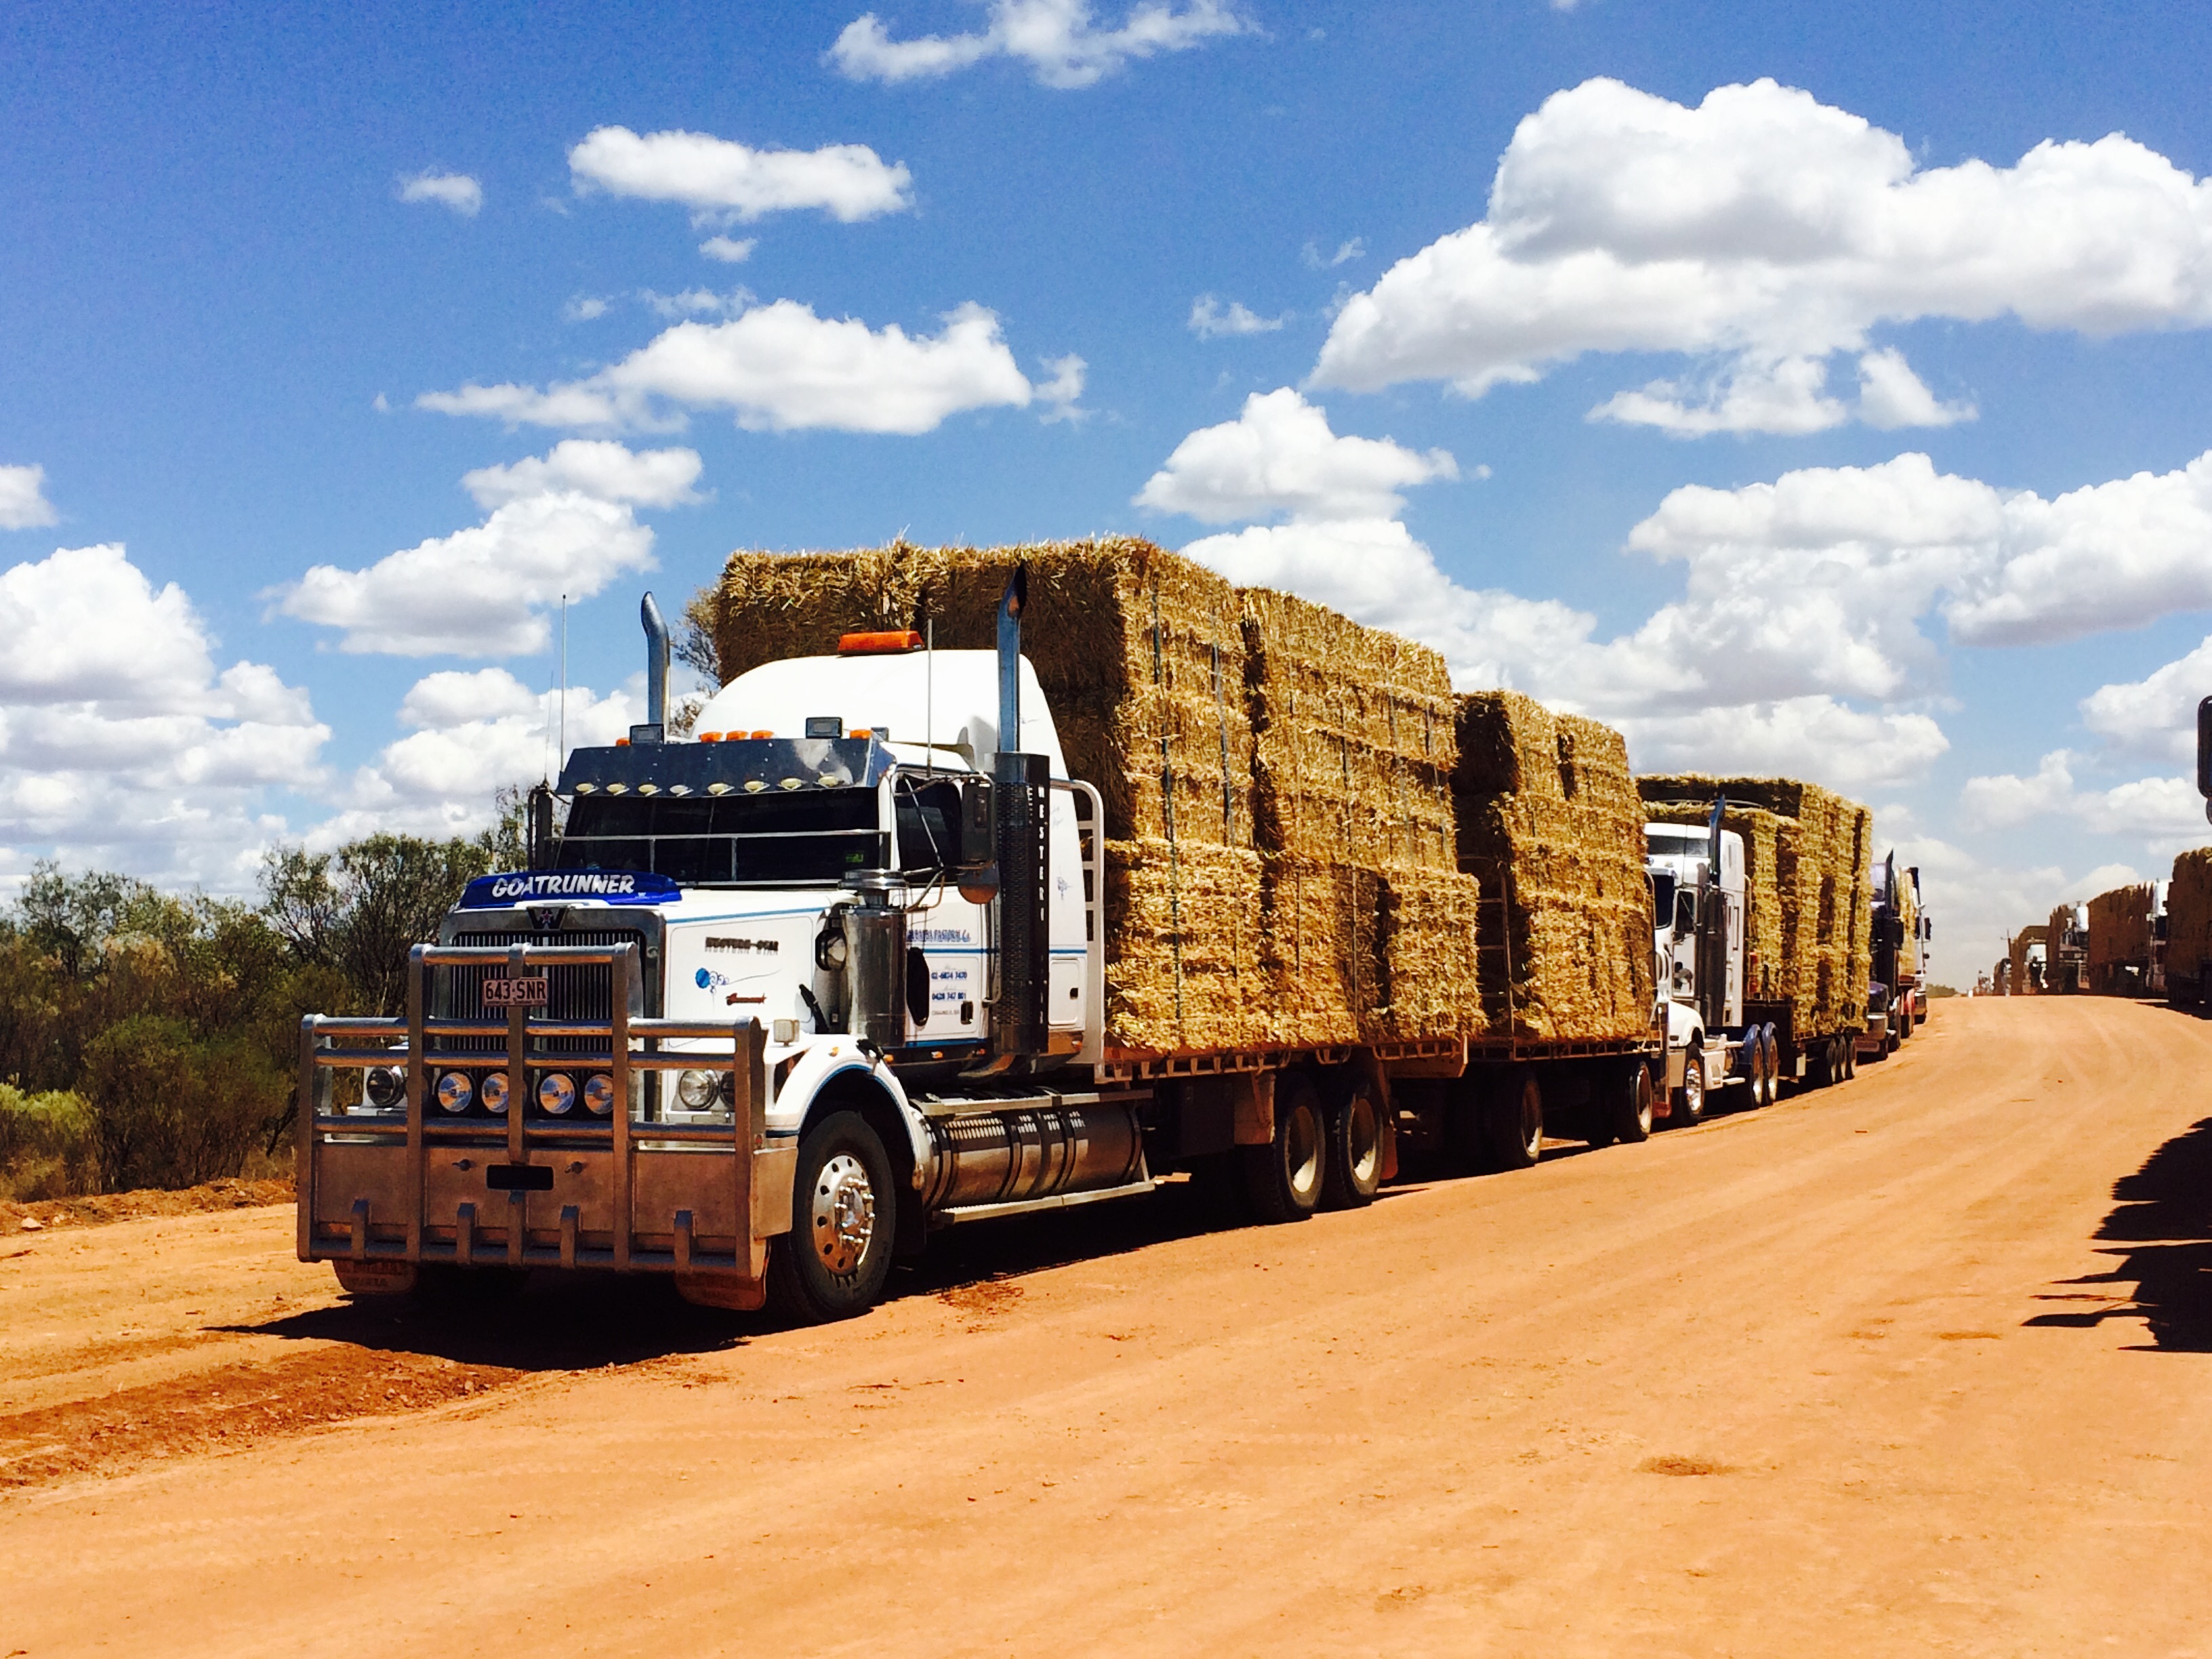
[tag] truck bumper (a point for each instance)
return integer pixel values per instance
(384, 1193)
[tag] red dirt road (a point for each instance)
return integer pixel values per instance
(1920, 1364)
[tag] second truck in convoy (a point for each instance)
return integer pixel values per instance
(862, 962)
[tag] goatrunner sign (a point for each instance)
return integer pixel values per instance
(514, 992)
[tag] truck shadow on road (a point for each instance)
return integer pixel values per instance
(2161, 1224)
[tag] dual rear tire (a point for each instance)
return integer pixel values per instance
(1324, 1154)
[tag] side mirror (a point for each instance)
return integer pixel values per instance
(978, 851)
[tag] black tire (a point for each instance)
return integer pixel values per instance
(1353, 1173)
(1766, 1041)
(1851, 1058)
(1284, 1178)
(844, 1213)
(1513, 1121)
(1690, 1098)
(1755, 1071)
(1629, 1105)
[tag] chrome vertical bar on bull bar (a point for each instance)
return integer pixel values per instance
(304, 1157)
(418, 1084)
(518, 1073)
(748, 1126)
(618, 1074)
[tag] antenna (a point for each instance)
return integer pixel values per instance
(929, 697)
(564, 677)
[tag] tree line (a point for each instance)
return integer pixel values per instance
(151, 1038)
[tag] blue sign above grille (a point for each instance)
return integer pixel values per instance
(606, 886)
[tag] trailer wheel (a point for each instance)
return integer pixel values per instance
(1754, 1070)
(1850, 1057)
(1515, 1121)
(833, 1262)
(1629, 1106)
(1284, 1178)
(1352, 1169)
(1690, 1098)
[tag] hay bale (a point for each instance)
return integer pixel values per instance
(2120, 936)
(1183, 947)
(1352, 737)
(2016, 959)
(1820, 933)
(1139, 651)
(1354, 953)
(2189, 928)
(1547, 811)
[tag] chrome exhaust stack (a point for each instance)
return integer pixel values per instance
(655, 726)
(1021, 802)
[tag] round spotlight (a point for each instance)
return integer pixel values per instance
(386, 1087)
(695, 1091)
(557, 1093)
(599, 1094)
(494, 1092)
(455, 1091)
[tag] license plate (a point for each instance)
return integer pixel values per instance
(514, 992)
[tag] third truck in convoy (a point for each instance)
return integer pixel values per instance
(908, 934)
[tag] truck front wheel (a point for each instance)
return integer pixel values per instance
(1690, 1098)
(1284, 1177)
(833, 1262)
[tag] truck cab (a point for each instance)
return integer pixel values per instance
(1697, 877)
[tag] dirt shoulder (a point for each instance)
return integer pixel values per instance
(42, 1213)
(1922, 1364)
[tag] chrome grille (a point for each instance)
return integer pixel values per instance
(572, 994)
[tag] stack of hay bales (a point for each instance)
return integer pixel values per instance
(1808, 859)
(2188, 929)
(1294, 885)
(1142, 655)
(2063, 960)
(1368, 927)
(1548, 817)
(2016, 947)
(2120, 938)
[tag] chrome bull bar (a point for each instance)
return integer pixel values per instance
(387, 1191)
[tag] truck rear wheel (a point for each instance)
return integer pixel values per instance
(1352, 1171)
(1767, 1042)
(1284, 1178)
(1851, 1058)
(1628, 1105)
(832, 1264)
(1515, 1121)
(1754, 1070)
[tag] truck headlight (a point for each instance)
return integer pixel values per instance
(557, 1093)
(599, 1094)
(695, 1091)
(494, 1092)
(455, 1091)
(385, 1089)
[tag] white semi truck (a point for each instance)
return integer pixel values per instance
(776, 1003)
(1718, 1037)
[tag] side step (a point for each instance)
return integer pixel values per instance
(1032, 1206)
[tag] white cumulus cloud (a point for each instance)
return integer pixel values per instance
(1278, 456)
(457, 190)
(1762, 234)
(121, 744)
(599, 468)
(720, 177)
(23, 503)
(780, 367)
(1209, 321)
(2155, 715)
(2158, 809)
(1058, 39)
(729, 250)
(472, 733)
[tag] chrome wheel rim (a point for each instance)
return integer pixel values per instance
(1302, 1152)
(1694, 1090)
(1362, 1137)
(843, 1214)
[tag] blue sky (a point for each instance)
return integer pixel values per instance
(243, 248)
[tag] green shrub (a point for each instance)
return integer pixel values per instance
(46, 1145)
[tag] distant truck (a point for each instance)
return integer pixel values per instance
(1897, 994)
(1763, 932)
(860, 963)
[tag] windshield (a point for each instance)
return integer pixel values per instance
(780, 840)
(1662, 895)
